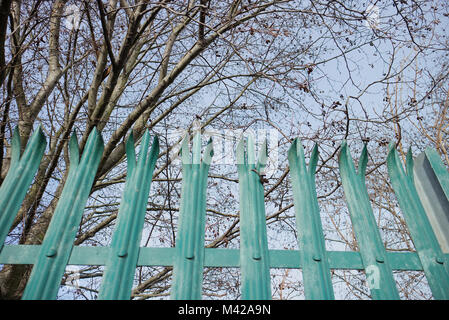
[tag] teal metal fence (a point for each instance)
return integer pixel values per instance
(189, 256)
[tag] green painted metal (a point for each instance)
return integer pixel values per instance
(315, 267)
(189, 261)
(189, 257)
(20, 174)
(119, 273)
(434, 263)
(254, 258)
(55, 250)
(377, 267)
(431, 179)
(441, 172)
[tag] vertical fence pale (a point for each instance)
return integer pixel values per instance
(121, 265)
(423, 236)
(189, 260)
(20, 175)
(377, 267)
(254, 257)
(55, 250)
(315, 270)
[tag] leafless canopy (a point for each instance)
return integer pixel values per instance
(320, 70)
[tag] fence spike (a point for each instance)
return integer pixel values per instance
(363, 163)
(196, 148)
(254, 258)
(122, 261)
(56, 248)
(130, 153)
(208, 152)
(377, 267)
(409, 164)
(431, 179)
(189, 260)
(263, 157)
(421, 231)
(439, 169)
(250, 147)
(316, 272)
(184, 151)
(74, 154)
(19, 177)
(241, 152)
(313, 160)
(15, 148)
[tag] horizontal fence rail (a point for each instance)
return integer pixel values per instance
(422, 190)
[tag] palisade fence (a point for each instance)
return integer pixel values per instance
(422, 191)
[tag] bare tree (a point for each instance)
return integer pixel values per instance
(320, 70)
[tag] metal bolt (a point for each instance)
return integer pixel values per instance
(122, 254)
(51, 253)
(439, 259)
(380, 259)
(316, 258)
